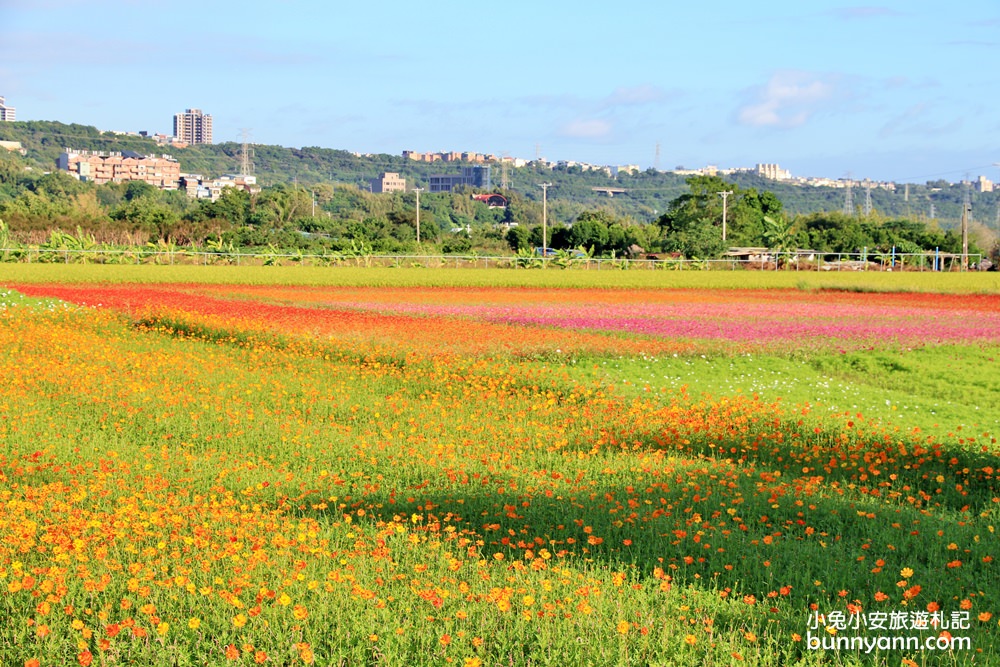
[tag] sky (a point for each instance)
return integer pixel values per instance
(905, 91)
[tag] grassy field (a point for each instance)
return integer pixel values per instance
(407, 467)
(973, 282)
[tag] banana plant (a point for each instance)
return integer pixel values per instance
(7, 245)
(360, 252)
(528, 259)
(273, 255)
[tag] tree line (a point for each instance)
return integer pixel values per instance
(334, 217)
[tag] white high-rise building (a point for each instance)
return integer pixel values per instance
(6, 112)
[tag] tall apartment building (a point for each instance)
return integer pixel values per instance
(6, 112)
(193, 127)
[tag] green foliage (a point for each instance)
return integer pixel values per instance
(519, 238)
(778, 233)
(148, 215)
(457, 244)
(837, 232)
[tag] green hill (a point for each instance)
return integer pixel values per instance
(646, 194)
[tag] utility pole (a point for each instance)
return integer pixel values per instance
(418, 191)
(725, 196)
(966, 212)
(545, 229)
(313, 203)
(996, 188)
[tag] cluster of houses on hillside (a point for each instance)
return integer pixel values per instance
(160, 171)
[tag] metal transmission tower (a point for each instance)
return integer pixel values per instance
(246, 152)
(505, 171)
(868, 197)
(848, 198)
(656, 157)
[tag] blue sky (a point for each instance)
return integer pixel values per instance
(906, 91)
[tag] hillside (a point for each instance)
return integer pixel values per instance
(646, 195)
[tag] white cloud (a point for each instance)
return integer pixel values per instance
(587, 129)
(851, 13)
(918, 120)
(634, 95)
(788, 99)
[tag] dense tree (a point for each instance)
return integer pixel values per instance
(519, 238)
(137, 189)
(147, 215)
(692, 224)
(234, 205)
(591, 231)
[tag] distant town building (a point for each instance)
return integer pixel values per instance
(772, 171)
(451, 156)
(193, 127)
(492, 199)
(97, 167)
(983, 184)
(6, 112)
(198, 187)
(614, 171)
(388, 182)
(477, 177)
(13, 146)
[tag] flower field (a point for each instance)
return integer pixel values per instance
(251, 473)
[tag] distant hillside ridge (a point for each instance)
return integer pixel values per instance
(641, 196)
